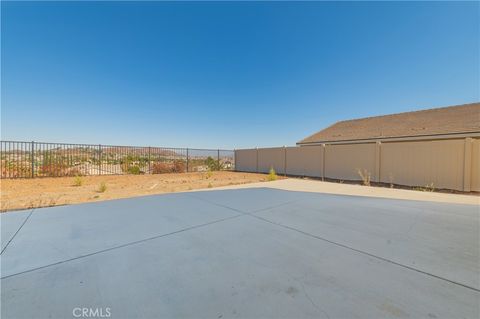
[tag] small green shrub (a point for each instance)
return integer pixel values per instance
(77, 181)
(209, 174)
(210, 185)
(272, 175)
(102, 188)
(428, 188)
(134, 170)
(213, 164)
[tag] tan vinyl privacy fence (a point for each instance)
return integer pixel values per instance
(450, 164)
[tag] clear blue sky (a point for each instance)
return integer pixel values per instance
(227, 74)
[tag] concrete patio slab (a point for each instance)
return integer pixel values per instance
(65, 232)
(247, 253)
(10, 224)
(440, 239)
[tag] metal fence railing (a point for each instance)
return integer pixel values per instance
(35, 159)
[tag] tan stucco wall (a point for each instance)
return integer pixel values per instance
(475, 181)
(246, 160)
(452, 164)
(423, 163)
(271, 157)
(343, 161)
(305, 161)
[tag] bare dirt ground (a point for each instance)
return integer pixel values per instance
(41, 192)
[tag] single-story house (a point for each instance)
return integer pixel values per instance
(435, 149)
(440, 123)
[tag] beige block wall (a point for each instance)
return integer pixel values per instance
(414, 163)
(343, 161)
(305, 161)
(271, 157)
(246, 160)
(420, 163)
(475, 170)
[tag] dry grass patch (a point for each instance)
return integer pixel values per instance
(52, 191)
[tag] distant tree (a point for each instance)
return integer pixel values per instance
(213, 164)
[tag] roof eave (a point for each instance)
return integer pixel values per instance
(475, 134)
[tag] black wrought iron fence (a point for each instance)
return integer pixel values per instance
(36, 159)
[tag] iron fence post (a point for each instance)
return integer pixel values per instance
(32, 158)
(149, 161)
(99, 158)
(256, 159)
(324, 149)
(218, 160)
(187, 159)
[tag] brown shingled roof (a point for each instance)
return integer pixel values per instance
(446, 120)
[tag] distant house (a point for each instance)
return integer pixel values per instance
(200, 168)
(439, 123)
(227, 165)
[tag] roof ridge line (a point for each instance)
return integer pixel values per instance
(441, 120)
(400, 113)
